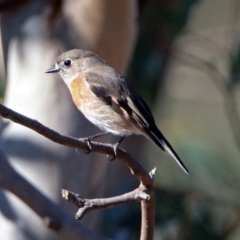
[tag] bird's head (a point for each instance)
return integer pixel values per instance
(72, 63)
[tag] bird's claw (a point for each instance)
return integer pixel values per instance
(88, 141)
(115, 147)
(111, 158)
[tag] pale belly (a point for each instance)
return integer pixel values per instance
(106, 119)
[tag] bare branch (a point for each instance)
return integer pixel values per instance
(145, 191)
(148, 212)
(53, 216)
(86, 205)
(136, 169)
(152, 172)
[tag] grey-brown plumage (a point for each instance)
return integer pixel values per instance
(107, 99)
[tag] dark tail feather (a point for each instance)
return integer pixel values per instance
(163, 143)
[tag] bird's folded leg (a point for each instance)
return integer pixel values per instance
(115, 148)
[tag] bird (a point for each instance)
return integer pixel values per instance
(108, 100)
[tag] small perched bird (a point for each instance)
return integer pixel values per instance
(107, 100)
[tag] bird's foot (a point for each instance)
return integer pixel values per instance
(89, 139)
(115, 148)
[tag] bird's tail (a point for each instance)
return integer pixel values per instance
(156, 136)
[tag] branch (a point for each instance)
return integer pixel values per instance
(146, 180)
(53, 216)
(86, 205)
(148, 213)
(54, 136)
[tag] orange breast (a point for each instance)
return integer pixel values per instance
(79, 91)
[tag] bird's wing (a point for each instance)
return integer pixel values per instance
(123, 99)
(103, 90)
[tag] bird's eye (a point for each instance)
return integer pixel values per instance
(67, 62)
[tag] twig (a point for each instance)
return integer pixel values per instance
(86, 205)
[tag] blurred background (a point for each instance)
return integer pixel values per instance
(183, 56)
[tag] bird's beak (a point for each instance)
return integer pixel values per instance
(53, 70)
